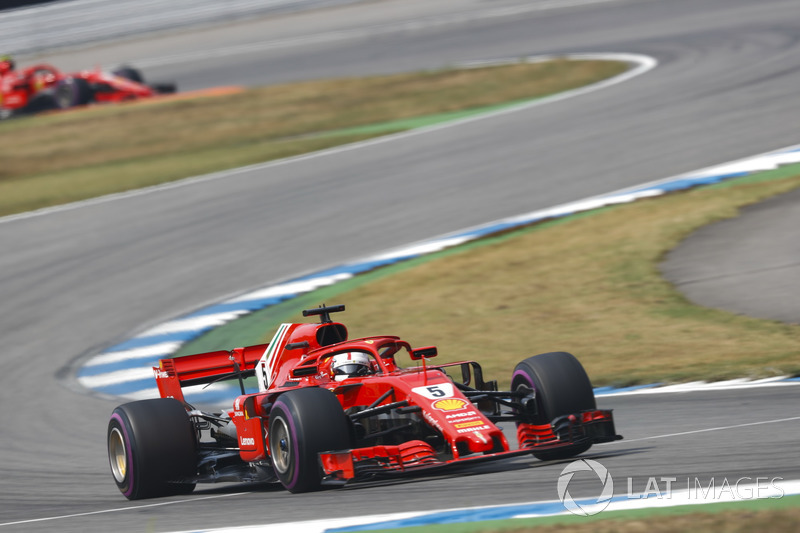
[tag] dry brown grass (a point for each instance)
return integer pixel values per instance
(589, 286)
(58, 158)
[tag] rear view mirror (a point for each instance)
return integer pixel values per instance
(426, 352)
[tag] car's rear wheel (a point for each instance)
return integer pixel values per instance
(164, 88)
(152, 448)
(303, 423)
(562, 388)
(42, 101)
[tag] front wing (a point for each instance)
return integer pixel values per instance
(416, 456)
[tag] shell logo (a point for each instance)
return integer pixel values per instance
(449, 404)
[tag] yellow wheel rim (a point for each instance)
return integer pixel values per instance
(117, 455)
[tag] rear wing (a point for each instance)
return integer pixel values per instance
(200, 369)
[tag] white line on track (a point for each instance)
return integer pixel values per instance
(121, 509)
(331, 521)
(702, 386)
(707, 430)
(643, 64)
(381, 29)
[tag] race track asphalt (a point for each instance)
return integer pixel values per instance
(749, 264)
(77, 280)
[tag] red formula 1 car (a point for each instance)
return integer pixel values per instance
(43, 87)
(332, 410)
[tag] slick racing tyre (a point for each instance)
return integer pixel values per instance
(562, 388)
(129, 73)
(164, 88)
(303, 423)
(71, 92)
(152, 448)
(41, 102)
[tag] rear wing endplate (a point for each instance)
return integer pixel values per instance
(200, 369)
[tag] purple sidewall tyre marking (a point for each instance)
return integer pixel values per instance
(524, 376)
(128, 453)
(295, 444)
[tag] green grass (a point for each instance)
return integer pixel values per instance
(588, 284)
(780, 515)
(59, 158)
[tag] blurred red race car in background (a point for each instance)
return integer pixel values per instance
(43, 87)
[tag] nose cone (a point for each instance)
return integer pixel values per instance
(483, 438)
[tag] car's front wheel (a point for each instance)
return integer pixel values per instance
(303, 423)
(152, 448)
(562, 388)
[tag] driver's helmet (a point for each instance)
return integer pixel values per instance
(349, 364)
(6, 64)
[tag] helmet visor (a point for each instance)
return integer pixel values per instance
(352, 369)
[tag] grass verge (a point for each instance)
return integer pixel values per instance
(774, 515)
(588, 284)
(53, 159)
